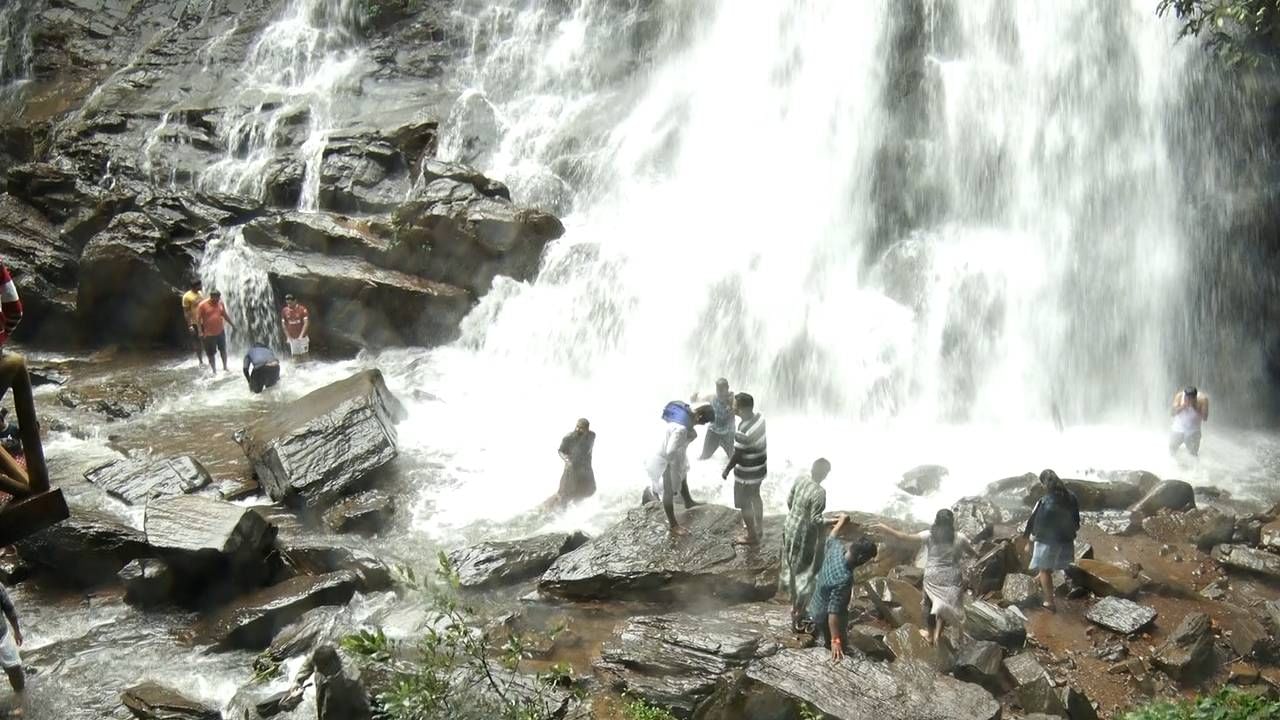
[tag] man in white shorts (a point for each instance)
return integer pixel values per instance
(9, 656)
(297, 327)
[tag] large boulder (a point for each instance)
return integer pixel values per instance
(1249, 560)
(676, 661)
(44, 267)
(1105, 579)
(981, 663)
(976, 517)
(491, 564)
(985, 621)
(1269, 535)
(321, 557)
(136, 480)
(326, 443)
(1168, 495)
(87, 549)
(922, 480)
(987, 573)
(151, 701)
(639, 559)
(327, 624)
(1112, 522)
(1093, 494)
(1202, 527)
(897, 602)
(210, 544)
(858, 688)
(1022, 590)
(252, 622)
(147, 582)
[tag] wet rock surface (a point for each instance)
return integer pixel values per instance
(1188, 655)
(150, 701)
(87, 549)
(367, 512)
(324, 444)
(985, 621)
(135, 481)
(491, 564)
(638, 558)
(862, 688)
(1123, 616)
(252, 622)
(1250, 560)
(209, 542)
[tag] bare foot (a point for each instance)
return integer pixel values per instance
(1049, 606)
(924, 634)
(679, 531)
(745, 539)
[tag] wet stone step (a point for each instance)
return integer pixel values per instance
(1119, 615)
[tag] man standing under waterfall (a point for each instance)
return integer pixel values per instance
(720, 432)
(212, 320)
(1190, 409)
(190, 301)
(578, 481)
(749, 465)
(297, 327)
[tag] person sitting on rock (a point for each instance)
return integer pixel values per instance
(1190, 409)
(1053, 525)
(668, 469)
(801, 540)
(943, 577)
(10, 658)
(578, 480)
(213, 321)
(261, 368)
(829, 606)
(720, 431)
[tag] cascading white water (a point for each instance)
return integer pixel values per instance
(232, 266)
(917, 231)
(291, 78)
(15, 45)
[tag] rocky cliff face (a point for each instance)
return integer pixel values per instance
(135, 133)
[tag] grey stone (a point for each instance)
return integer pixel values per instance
(1270, 535)
(981, 663)
(491, 564)
(858, 688)
(907, 644)
(922, 480)
(253, 621)
(638, 559)
(1105, 579)
(897, 602)
(1112, 522)
(1024, 669)
(1168, 495)
(1188, 655)
(976, 517)
(366, 512)
(984, 621)
(1123, 616)
(209, 542)
(1202, 527)
(326, 443)
(147, 582)
(1021, 590)
(988, 572)
(1238, 557)
(320, 557)
(86, 549)
(135, 481)
(150, 701)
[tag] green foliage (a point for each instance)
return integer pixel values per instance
(455, 671)
(809, 712)
(637, 709)
(1231, 29)
(265, 668)
(1226, 704)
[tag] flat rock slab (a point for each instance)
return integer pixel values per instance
(1105, 579)
(639, 559)
(858, 688)
(252, 622)
(1119, 615)
(86, 549)
(492, 564)
(675, 661)
(325, 443)
(1240, 557)
(135, 480)
(150, 701)
(365, 512)
(985, 621)
(196, 524)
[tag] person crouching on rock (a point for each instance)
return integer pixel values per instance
(943, 578)
(578, 481)
(261, 368)
(829, 606)
(668, 469)
(1190, 409)
(1053, 525)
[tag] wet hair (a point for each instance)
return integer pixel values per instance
(861, 551)
(722, 383)
(215, 293)
(1190, 392)
(703, 414)
(821, 468)
(745, 401)
(196, 284)
(1052, 483)
(943, 531)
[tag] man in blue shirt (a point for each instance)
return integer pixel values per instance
(261, 368)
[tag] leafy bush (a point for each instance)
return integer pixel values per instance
(1226, 704)
(454, 672)
(637, 709)
(1232, 29)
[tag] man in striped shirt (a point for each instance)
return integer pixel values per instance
(750, 466)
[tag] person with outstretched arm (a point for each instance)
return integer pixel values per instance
(10, 658)
(668, 469)
(943, 584)
(829, 606)
(213, 321)
(749, 466)
(261, 368)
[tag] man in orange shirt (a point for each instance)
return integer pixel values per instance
(297, 327)
(211, 316)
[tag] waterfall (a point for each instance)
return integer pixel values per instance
(232, 266)
(15, 44)
(291, 80)
(947, 211)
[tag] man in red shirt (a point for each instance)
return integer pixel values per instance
(211, 316)
(13, 374)
(297, 326)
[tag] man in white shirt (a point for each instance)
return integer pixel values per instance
(1190, 410)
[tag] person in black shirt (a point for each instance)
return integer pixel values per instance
(578, 480)
(1053, 525)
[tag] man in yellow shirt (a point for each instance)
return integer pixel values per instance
(190, 301)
